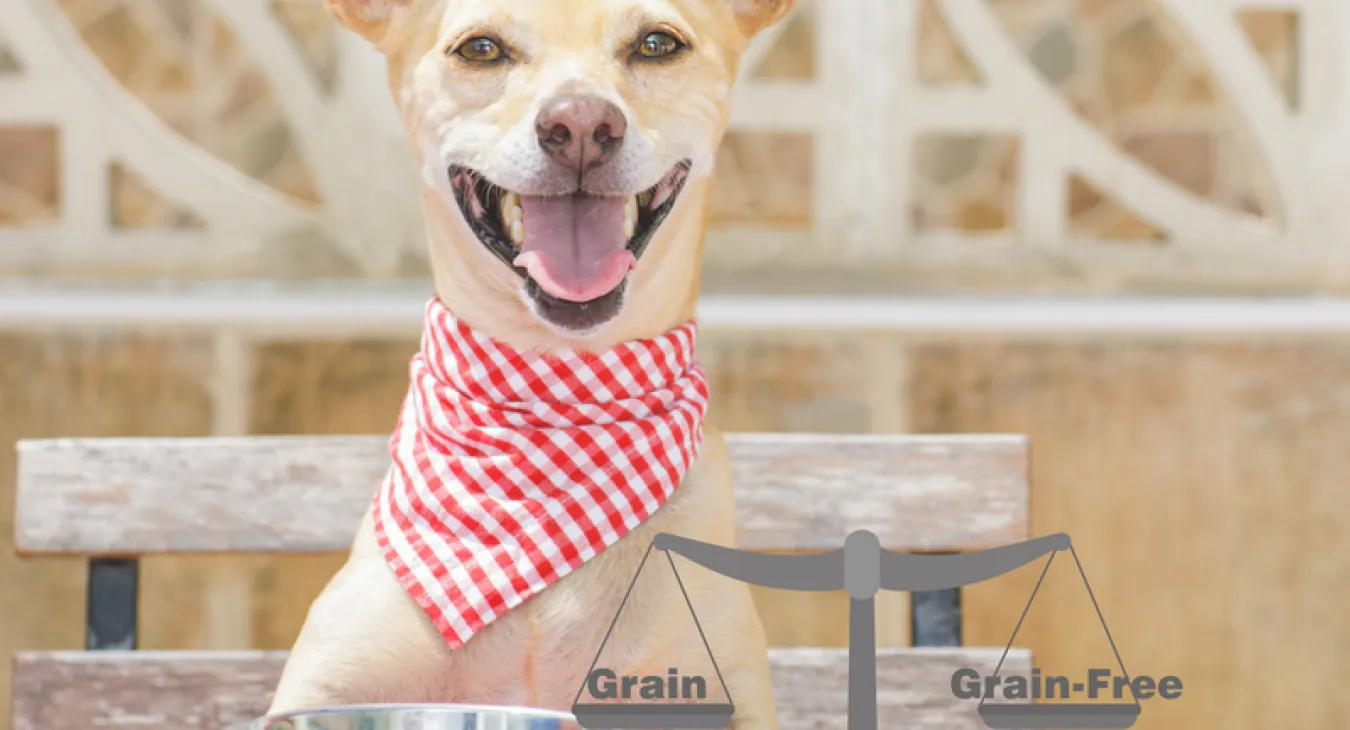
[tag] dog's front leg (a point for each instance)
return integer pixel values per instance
(737, 634)
(753, 693)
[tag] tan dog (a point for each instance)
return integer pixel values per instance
(515, 109)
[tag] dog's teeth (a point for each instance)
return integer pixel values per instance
(518, 231)
(630, 214)
(510, 207)
(644, 198)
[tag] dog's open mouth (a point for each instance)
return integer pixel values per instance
(574, 251)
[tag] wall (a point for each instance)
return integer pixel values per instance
(1101, 147)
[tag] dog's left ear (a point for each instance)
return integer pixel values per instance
(369, 18)
(756, 15)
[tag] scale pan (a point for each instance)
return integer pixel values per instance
(596, 716)
(1046, 717)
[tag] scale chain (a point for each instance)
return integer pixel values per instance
(615, 622)
(687, 602)
(699, 626)
(1120, 662)
(984, 696)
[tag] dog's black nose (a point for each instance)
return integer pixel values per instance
(581, 132)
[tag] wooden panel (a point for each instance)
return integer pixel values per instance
(1205, 487)
(81, 385)
(220, 690)
(781, 381)
(147, 689)
(808, 491)
(785, 382)
(332, 387)
(324, 387)
(240, 494)
(913, 686)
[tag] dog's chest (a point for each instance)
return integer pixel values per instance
(539, 653)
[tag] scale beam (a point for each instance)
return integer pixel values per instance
(815, 572)
(827, 572)
(904, 572)
(863, 568)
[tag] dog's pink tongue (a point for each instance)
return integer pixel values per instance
(574, 245)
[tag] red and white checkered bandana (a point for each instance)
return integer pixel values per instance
(511, 469)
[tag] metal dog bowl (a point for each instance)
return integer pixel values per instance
(418, 717)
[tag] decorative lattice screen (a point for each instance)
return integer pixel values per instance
(964, 144)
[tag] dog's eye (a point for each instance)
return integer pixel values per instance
(659, 44)
(481, 50)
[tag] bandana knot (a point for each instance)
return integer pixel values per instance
(511, 469)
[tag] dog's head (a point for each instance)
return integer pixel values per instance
(565, 147)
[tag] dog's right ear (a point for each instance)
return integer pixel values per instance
(369, 18)
(756, 15)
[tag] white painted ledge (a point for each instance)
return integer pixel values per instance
(373, 311)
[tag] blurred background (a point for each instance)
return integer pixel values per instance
(937, 152)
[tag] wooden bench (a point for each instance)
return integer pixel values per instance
(113, 500)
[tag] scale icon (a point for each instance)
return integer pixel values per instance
(862, 568)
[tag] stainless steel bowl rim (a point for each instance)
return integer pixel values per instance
(414, 711)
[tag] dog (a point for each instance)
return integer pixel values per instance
(566, 151)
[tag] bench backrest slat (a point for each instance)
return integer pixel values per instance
(307, 494)
(226, 690)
